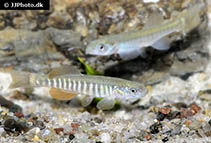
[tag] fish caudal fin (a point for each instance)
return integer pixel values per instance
(20, 79)
(190, 17)
(60, 94)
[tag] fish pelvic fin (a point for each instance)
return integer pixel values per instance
(22, 79)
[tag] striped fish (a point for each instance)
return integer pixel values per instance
(86, 87)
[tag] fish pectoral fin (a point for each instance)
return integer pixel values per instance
(162, 44)
(106, 104)
(86, 100)
(61, 94)
(63, 71)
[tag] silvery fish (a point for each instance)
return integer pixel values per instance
(86, 87)
(130, 45)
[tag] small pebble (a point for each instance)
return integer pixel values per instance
(209, 122)
(161, 116)
(208, 133)
(13, 125)
(148, 136)
(155, 128)
(185, 113)
(105, 137)
(165, 139)
(195, 124)
(36, 138)
(39, 124)
(58, 130)
(1, 131)
(187, 123)
(74, 125)
(173, 115)
(165, 110)
(19, 114)
(180, 105)
(71, 136)
(46, 132)
(98, 120)
(194, 109)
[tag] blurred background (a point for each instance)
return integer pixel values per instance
(177, 108)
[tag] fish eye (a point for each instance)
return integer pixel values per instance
(133, 90)
(102, 47)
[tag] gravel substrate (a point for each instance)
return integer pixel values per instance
(177, 108)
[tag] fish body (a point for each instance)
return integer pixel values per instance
(86, 87)
(131, 44)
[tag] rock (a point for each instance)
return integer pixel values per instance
(64, 38)
(105, 137)
(205, 95)
(58, 130)
(12, 125)
(25, 46)
(194, 109)
(165, 110)
(39, 40)
(195, 124)
(165, 139)
(32, 45)
(155, 128)
(10, 105)
(71, 136)
(1, 131)
(209, 122)
(193, 58)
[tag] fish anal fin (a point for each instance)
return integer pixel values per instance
(162, 44)
(61, 94)
(62, 71)
(106, 104)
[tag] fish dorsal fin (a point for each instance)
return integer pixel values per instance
(63, 71)
(60, 94)
(154, 19)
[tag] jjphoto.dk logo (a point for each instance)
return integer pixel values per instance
(20, 4)
(6, 5)
(24, 5)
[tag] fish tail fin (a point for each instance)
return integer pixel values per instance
(22, 79)
(190, 18)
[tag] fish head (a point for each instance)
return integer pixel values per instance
(130, 93)
(101, 47)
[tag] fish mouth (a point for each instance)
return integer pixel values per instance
(135, 102)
